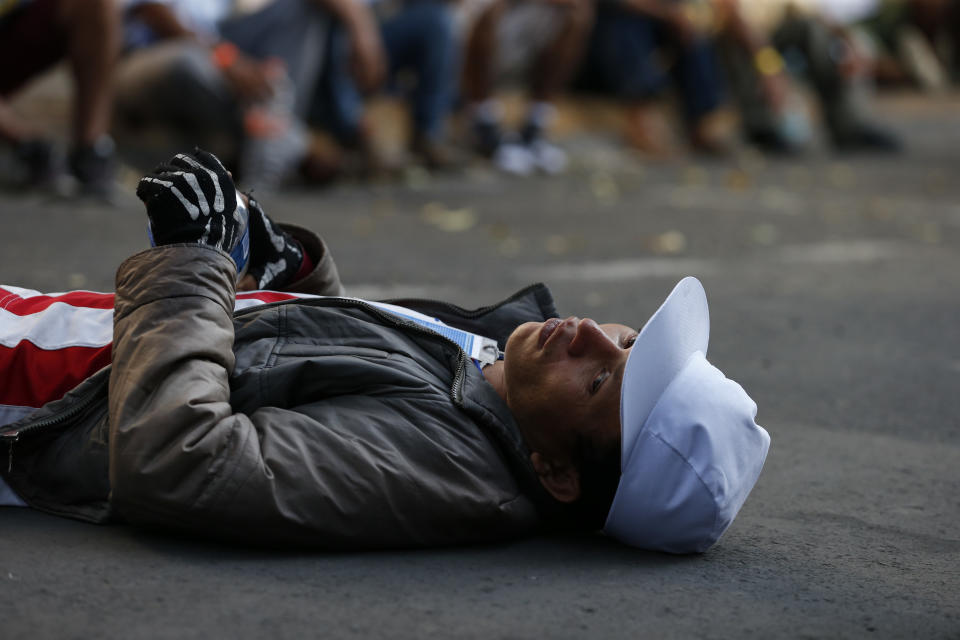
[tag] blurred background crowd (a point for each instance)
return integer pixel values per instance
(282, 89)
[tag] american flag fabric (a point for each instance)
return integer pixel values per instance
(50, 342)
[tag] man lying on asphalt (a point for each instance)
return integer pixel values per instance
(333, 422)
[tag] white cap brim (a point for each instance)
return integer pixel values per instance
(677, 330)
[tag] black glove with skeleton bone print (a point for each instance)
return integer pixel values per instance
(192, 199)
(275, 256)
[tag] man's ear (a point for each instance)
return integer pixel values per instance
(561, 480)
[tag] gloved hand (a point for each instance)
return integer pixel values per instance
(275, 256)
(192, 199)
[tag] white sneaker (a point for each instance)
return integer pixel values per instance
(514, 158)
(547, 157)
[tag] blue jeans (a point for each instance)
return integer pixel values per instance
(420, 38)
(624, 57)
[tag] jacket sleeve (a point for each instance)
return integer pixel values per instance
(174, 440)
(323, 280)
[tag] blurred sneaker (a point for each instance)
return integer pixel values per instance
(434, 155)
(867, 137)
(547, 157)
(39, 164)
(487, 137)
(771, 140)
(93, 166)
(788, 136)
(515, 158)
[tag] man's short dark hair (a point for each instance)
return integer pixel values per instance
(599, 467)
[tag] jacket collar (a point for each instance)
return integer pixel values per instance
(531, 304)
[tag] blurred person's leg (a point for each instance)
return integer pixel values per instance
(92, 30)
(540, 42)
(30, 43)
(811, 48)
(337, 105)
(420, 37)
(770, 113)
(479, 73)
(758, 118)
(93, 43)
(557, 63)
(623, 59)
(773, 127)
(697, 74)
(939, 22)
(931, 17)
(880, 37)
(917, 61)
(551, 74)
(952, 43)
(87, 33)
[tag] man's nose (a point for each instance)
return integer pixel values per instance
(590, 339)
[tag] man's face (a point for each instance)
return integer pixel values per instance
(562, 381)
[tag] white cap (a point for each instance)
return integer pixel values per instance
(690, 449)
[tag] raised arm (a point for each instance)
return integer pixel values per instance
(180, 456)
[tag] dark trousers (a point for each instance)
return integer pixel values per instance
(418, 37)
(30, 43)
(635, 58)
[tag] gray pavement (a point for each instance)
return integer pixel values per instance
(833, 284)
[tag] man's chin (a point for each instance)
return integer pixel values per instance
(516, 340)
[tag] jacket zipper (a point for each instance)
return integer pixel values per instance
(14, 436)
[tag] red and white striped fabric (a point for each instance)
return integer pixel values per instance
(49, 343)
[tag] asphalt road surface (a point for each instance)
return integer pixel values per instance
(834, 285)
